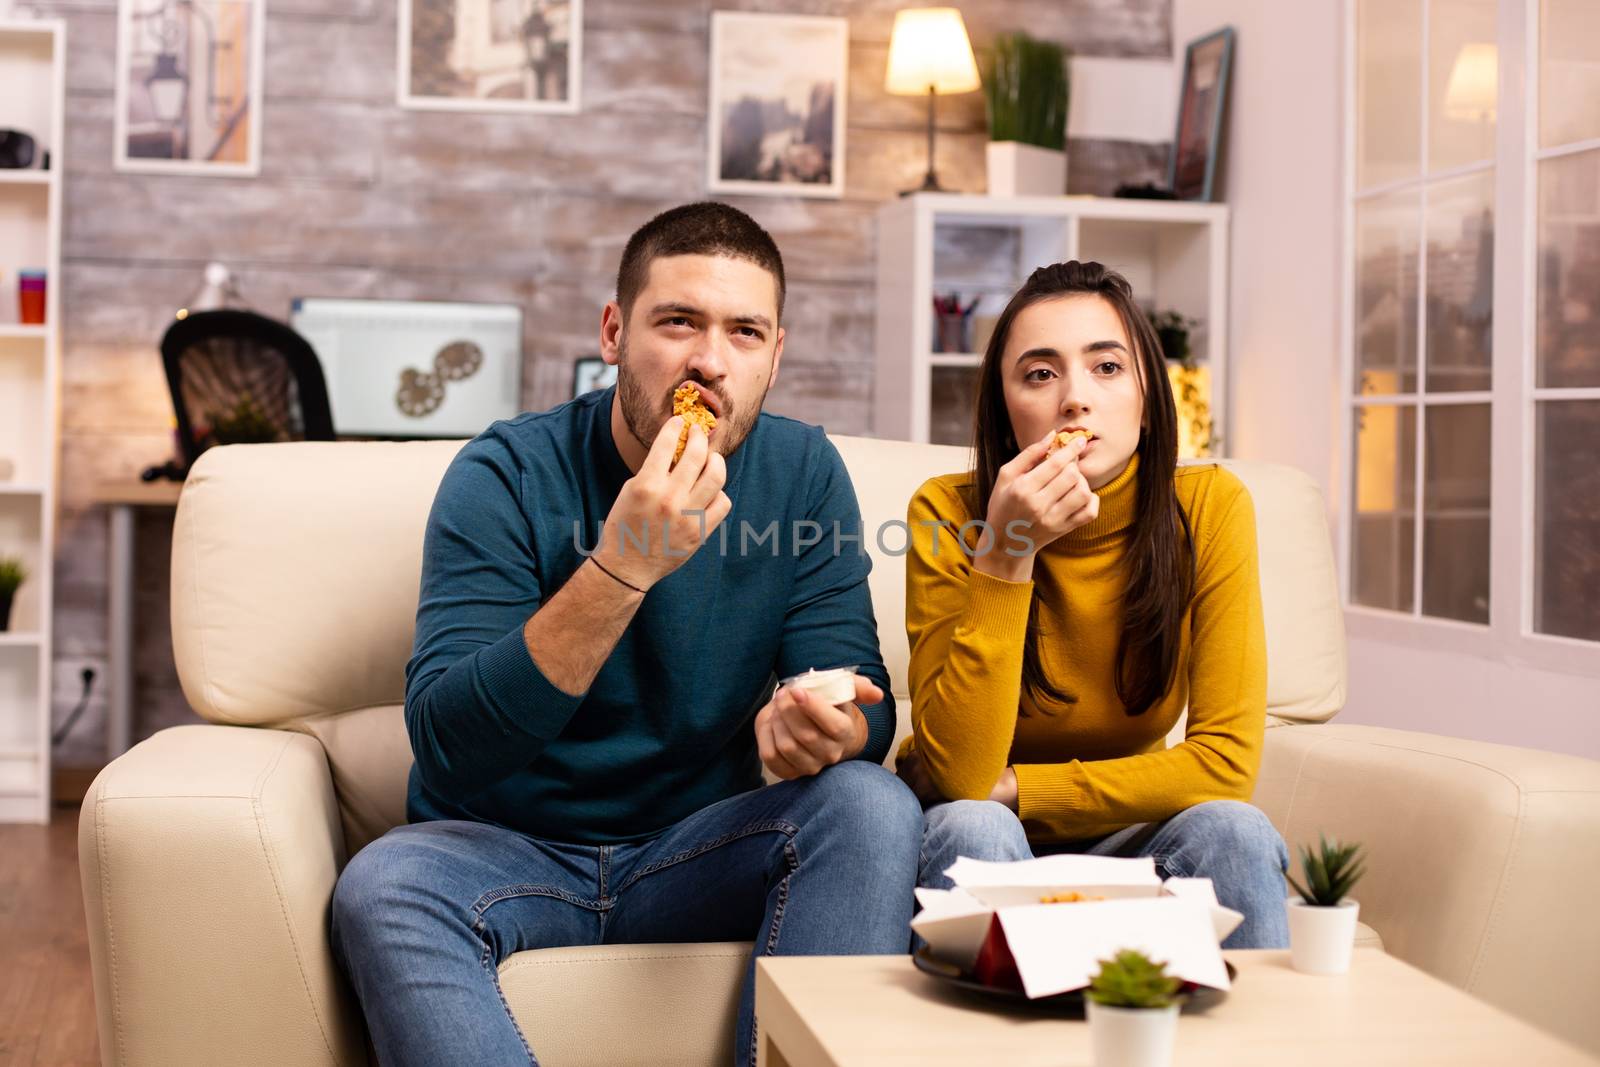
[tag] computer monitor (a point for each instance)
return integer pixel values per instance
(411, 368)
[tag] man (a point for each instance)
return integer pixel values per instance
(590, 695)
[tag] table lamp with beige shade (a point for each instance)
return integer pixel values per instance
(929, 53)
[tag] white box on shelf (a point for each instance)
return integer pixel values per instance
(1017, 169)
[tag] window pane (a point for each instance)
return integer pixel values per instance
(1455, 513)
(1566, 598)
(1387, 236)
(1569, 270)
(1460, 283)
(1388, 91)
(1462, 81)
(1383, 537)
(1569, 71)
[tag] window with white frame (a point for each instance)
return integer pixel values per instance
(1565, 335)
(1427, 386)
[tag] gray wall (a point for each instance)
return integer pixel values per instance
(359, 198)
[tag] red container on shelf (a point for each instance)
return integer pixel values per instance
(31, 297)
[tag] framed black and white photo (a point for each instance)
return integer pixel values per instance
(590, 373)
(188, 87)
(490, 55)
(1192, 168)
(777, 114)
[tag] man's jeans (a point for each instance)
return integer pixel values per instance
(422, 917)
(1229, 842)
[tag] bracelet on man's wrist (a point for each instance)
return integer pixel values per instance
(616, 577)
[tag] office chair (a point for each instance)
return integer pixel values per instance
(241, 378)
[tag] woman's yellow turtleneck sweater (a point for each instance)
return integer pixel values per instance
(1088, 768)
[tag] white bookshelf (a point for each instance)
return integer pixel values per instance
(1175, 255)
(32, 92)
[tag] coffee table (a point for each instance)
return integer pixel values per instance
(871, 1011)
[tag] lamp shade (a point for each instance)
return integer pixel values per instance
(1474, 80)
(929, 49)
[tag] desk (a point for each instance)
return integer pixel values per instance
(120, 498)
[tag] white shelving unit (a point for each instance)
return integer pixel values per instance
(1175, 255)
(32, 92)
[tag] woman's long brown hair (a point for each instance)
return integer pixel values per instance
(1161, 554)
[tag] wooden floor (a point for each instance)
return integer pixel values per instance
(46, 992)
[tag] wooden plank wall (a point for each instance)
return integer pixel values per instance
(357, 197)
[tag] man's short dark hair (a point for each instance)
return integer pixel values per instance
(703, 229)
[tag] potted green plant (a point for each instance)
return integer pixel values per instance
(1322, 923)
(1172, 330)
(13, 572)
(243, 424)
(1026, 91)
(1132, 1006)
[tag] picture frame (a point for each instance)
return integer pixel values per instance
(590, 373)
(188, 87)
(498, 55)
(776, 119)
(1202, 104)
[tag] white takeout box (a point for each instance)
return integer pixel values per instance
(1003, 885)
(1058, 947)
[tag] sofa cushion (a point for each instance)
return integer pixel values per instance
(885, 475)
(1299, 593)
(639, 1004)
(370, 757)
(294, 576)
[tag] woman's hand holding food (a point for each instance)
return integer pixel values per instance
(1038, 497)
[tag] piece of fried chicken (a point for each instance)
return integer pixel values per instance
(1063, 437)
(686, 402)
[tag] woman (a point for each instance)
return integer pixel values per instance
(1055, 643)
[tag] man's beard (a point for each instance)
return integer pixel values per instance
(645, 418)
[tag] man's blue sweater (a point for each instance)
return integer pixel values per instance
(667, 727)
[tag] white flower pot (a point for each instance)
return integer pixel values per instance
(1132, 1037)
(1017, 169)
(1321, 939)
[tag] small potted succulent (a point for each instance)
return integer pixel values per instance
(1133, 1012)
(13, 572)
(1322, 923)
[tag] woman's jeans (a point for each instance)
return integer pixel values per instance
(1227, 841)
(423, 916)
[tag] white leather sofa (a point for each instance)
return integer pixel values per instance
(209, 852)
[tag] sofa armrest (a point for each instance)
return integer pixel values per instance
(208, 856)
(1482, 859)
